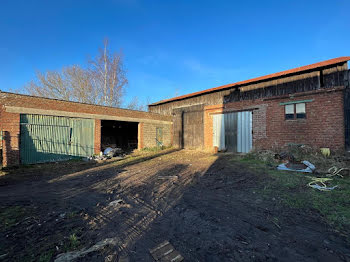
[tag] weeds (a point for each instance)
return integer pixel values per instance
(46, 257)
(10, 216)
(73, 242)
(292, 190)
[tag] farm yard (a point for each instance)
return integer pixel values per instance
(223, 207)
(171, 131)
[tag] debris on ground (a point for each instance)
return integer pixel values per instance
(119, 203)
(285, 156)
(109, 153)
(166, 252)
(116, 202)
(197, 215)
(69, 256)
(304, 166)
(112, 152)
(335, 171)
(320, 183)
(3, 256)
(325, 151)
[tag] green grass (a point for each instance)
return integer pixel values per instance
(10, 216)
(71, 214)
(291, 189)
(46, 257)
(73, 241)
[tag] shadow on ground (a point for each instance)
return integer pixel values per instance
(208, 207)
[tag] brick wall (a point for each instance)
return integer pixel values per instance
(149, 134)
(16, 100)
(9, 124)
(323, 126)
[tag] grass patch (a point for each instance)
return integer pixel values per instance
(291, 189)
(10, 216)
(47, 256)
(73, 242)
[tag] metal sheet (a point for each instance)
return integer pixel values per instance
(53, 138)
(219, 131)
(244, 132)
(238, 131)
(231, 132)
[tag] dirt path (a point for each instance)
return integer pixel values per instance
(208, 207)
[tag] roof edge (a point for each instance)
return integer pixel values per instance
(75, 102)
(296, 70)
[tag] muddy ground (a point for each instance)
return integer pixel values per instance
(210, 208)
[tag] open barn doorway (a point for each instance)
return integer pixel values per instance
(119, 134)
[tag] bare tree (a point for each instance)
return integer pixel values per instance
(108, 76)
(135, 104)
(101, 82)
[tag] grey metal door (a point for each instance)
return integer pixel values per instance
(244, 131)
(231, 131)
(238, 131)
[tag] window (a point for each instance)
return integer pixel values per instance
(289, 111)
(300, 110)
(295, 111)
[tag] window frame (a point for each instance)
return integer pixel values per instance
(296, 116)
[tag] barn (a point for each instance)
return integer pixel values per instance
(36, 130)
(306, 105)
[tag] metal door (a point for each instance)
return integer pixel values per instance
(231, 132)
(219, 131)
(237, 128)
(244, 132)
(54, 138)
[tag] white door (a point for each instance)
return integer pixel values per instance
(219, 131)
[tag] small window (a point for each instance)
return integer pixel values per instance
(289, 111)
(300, 110)
(295, 111)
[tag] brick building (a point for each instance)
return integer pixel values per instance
(37, 129)
(306, 105)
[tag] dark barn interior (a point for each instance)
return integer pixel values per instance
(119, 134)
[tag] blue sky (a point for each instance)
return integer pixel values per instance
(171, 47)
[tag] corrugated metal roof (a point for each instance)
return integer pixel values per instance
(261, 78)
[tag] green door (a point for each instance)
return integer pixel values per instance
(55, 138)
(159, 136)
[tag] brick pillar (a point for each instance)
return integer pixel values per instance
(172, 135)
(97, 139)
(10, 124)
(140, 136)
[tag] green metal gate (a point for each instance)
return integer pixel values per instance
(55, 138)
